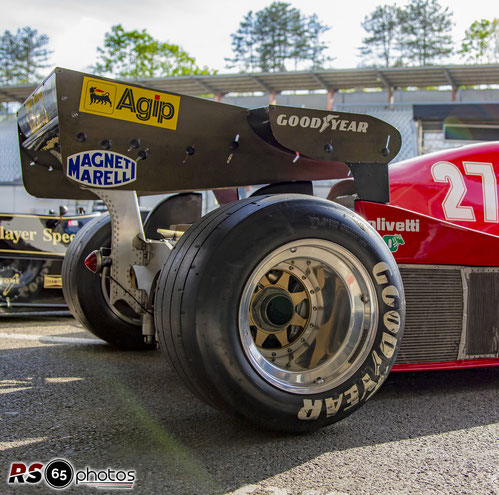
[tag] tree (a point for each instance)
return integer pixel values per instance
(382, 26)
(276, 37)
(7, 58)
(278, 27)
(244, 43)
(316, 48)
(137, 54)
(425, 28)
(481, 42)
(22, 55)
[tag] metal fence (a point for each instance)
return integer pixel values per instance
(10, 164)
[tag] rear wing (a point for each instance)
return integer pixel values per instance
(78, 131)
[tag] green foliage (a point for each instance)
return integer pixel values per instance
(417, 34)
(382, 25)
(425, 28)
(277, 37)
(314, 46)
(244, 43)
(481, 42)
(137, 54)
(22, 55)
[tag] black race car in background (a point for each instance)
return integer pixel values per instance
(32, 248)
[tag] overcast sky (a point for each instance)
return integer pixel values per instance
(201, 27)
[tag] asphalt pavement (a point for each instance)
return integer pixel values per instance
(66, 395)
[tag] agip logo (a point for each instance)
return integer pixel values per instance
(122, 102)
(100, 99)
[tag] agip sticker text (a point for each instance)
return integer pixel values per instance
(130, 103)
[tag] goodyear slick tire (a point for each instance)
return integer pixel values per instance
(83, 290)
(213, 274)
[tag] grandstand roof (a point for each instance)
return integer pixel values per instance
(269, 82)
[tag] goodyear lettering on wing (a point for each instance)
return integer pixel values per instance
(328, 122)
(122, 102)
(99, 168)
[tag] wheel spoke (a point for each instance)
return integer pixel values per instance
(283, 280)
(266, 281)
(260, 338)
(298, 297)
(282, 337)
(298, 320)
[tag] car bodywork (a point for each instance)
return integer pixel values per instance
(441, 221)
(32, 248)
(284, 305)
(442, 226)
(138, 141)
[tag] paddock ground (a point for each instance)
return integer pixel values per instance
(65, 394)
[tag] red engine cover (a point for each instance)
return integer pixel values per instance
(443, 211)
(458, 185)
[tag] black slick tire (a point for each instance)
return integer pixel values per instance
(84, 295)
(229, 357)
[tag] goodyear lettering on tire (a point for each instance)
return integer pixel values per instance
(371, 381)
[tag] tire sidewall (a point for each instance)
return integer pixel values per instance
(83, 289)
(210, 312)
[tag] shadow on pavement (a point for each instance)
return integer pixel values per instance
(99, 407)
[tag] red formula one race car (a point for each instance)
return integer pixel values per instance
(282, 309)
(442, 226)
